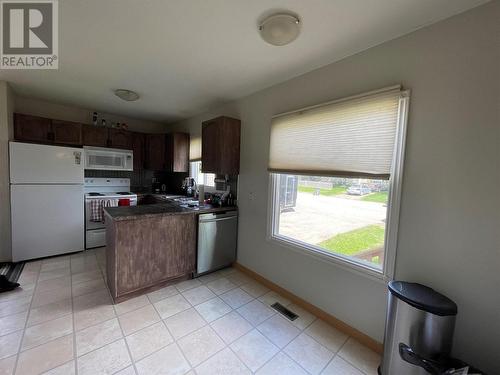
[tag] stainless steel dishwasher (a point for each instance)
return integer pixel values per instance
(217, 238)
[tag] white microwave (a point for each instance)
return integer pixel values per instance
(109, 159)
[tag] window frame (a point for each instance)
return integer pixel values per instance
(393, 209)
(207, 188)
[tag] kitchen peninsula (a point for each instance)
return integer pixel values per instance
(150, 246)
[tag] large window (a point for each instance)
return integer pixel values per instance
(339, 216)
(336, 176)
(207, 179)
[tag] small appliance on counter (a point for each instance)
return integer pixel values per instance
(100, 193)
(189, 187)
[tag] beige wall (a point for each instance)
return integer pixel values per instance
(6, 110)
(448, 233)
(37, 107)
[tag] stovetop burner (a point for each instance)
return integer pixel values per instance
(124, 193)
(93, 194)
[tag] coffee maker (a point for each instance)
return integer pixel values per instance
(189, 187)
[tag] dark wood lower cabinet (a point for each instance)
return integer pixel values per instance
(145, 253)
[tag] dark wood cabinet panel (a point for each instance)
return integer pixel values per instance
(66, 133)
(220, 150)
(143, 253)
(155, 152)
(95, 136)
(138, 147)
(120, 139)
(209, 146)
(177, 152)
(32, 128)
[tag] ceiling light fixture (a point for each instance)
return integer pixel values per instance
(127, 95)
(280, 29)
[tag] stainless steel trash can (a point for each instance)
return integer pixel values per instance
(418, 330)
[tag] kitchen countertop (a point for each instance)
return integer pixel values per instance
(148, 210)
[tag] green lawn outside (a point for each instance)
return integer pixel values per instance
(352, 242)
(380, 197)
(328, 192)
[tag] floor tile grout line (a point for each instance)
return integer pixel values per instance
(9, 301)
(174, 342)
(163, 347)
(280, 350)
(214, 354)
(207, 323)
(121, 329)
(345, 359)
(228, 346)
(302, 331)
(272, 343)
(75, 355)
(337, 354)
(298, 364)
(26, 322)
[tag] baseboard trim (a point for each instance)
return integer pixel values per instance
(337, 323)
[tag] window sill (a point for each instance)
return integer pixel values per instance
(338, 261)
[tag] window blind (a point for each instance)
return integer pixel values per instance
(349, 137)
(195, 149)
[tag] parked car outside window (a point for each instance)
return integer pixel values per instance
(358, 190)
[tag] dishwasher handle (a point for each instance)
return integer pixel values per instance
(226, 215)
(220, 219)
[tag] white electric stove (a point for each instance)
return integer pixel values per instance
(106, 190)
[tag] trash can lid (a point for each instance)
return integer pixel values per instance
(423, 298)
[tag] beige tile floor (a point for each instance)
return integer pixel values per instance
(61, 321)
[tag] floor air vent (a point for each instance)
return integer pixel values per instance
(284, 311)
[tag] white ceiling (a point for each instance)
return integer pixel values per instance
(184, 56)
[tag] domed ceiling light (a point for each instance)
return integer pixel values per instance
(127, 95)
(280, 29)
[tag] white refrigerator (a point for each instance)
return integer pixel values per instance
(47, 202)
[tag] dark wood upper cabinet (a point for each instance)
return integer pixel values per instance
(220, 146)
(95, 136)
(155, 152)
(177, 152)
(138, 147)
(120, 139)
(32, 128)
(66, 133)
